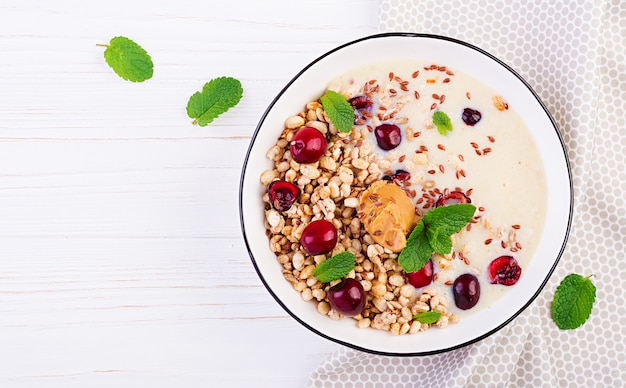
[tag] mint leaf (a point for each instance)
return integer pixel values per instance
(128, 60)
(427, 317)
(433, 233)
(451, 218)
(439, 240)
(335, 267)
(417, 250)
(217, 96)
(338, 110)
(443, 123)
(573, 302)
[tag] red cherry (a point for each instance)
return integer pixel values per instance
(319, 237)
(282, 195)
(466, 290)
(362, 106)
(388, 136)
(471, 116)
(451, 198)
(504, 270)
(308, 145)
(347, 297)
(423, 277)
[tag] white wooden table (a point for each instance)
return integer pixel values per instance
(121, 256)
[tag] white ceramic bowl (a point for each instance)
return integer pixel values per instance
(308, 85)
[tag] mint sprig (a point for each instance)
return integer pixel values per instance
(442, 121)
(335, 267)
(573, 301)
(128, 59)
(217, 96)
(338, 110)
(427, 317)
(432, 234)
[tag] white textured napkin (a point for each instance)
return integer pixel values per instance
(573, 53)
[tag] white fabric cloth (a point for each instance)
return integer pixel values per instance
(573, 53)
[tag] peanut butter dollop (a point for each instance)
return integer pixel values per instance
(388, 214)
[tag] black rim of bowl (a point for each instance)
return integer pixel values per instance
(408, 35)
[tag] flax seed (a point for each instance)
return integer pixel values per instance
(488, 241)
(431, 172)
(461, 158)
(435, 96)
(392, 91)
(441, 147)
(415, 74)
(481, 209)
(404, 88)
(502, 244)
(486, 150)
(516, 226)
(446, 80)
(424, 148)
(417, 134)
(474, 144)
(449, 283)
(513, 249)
(441, 168)
(462, 173)
(491, 139)
(378, 233)
(417, 95)
(390, 75)
(401, 158)
(518, 245)
(449, 72)
(469, 192)
(469, 97)
(442, 98)
(433, 106)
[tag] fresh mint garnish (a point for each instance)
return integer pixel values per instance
(573, 301)
(128, 59)
(217, 96)
(442, 121)
(417, 250)
(335, 267)
(338, 110)
(432, 234)
(427, 317)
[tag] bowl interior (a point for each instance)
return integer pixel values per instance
(310, 84)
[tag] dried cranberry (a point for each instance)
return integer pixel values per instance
(451, 198)
(471, 116)
(504, 270)
(388, 136)
(282, 195)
